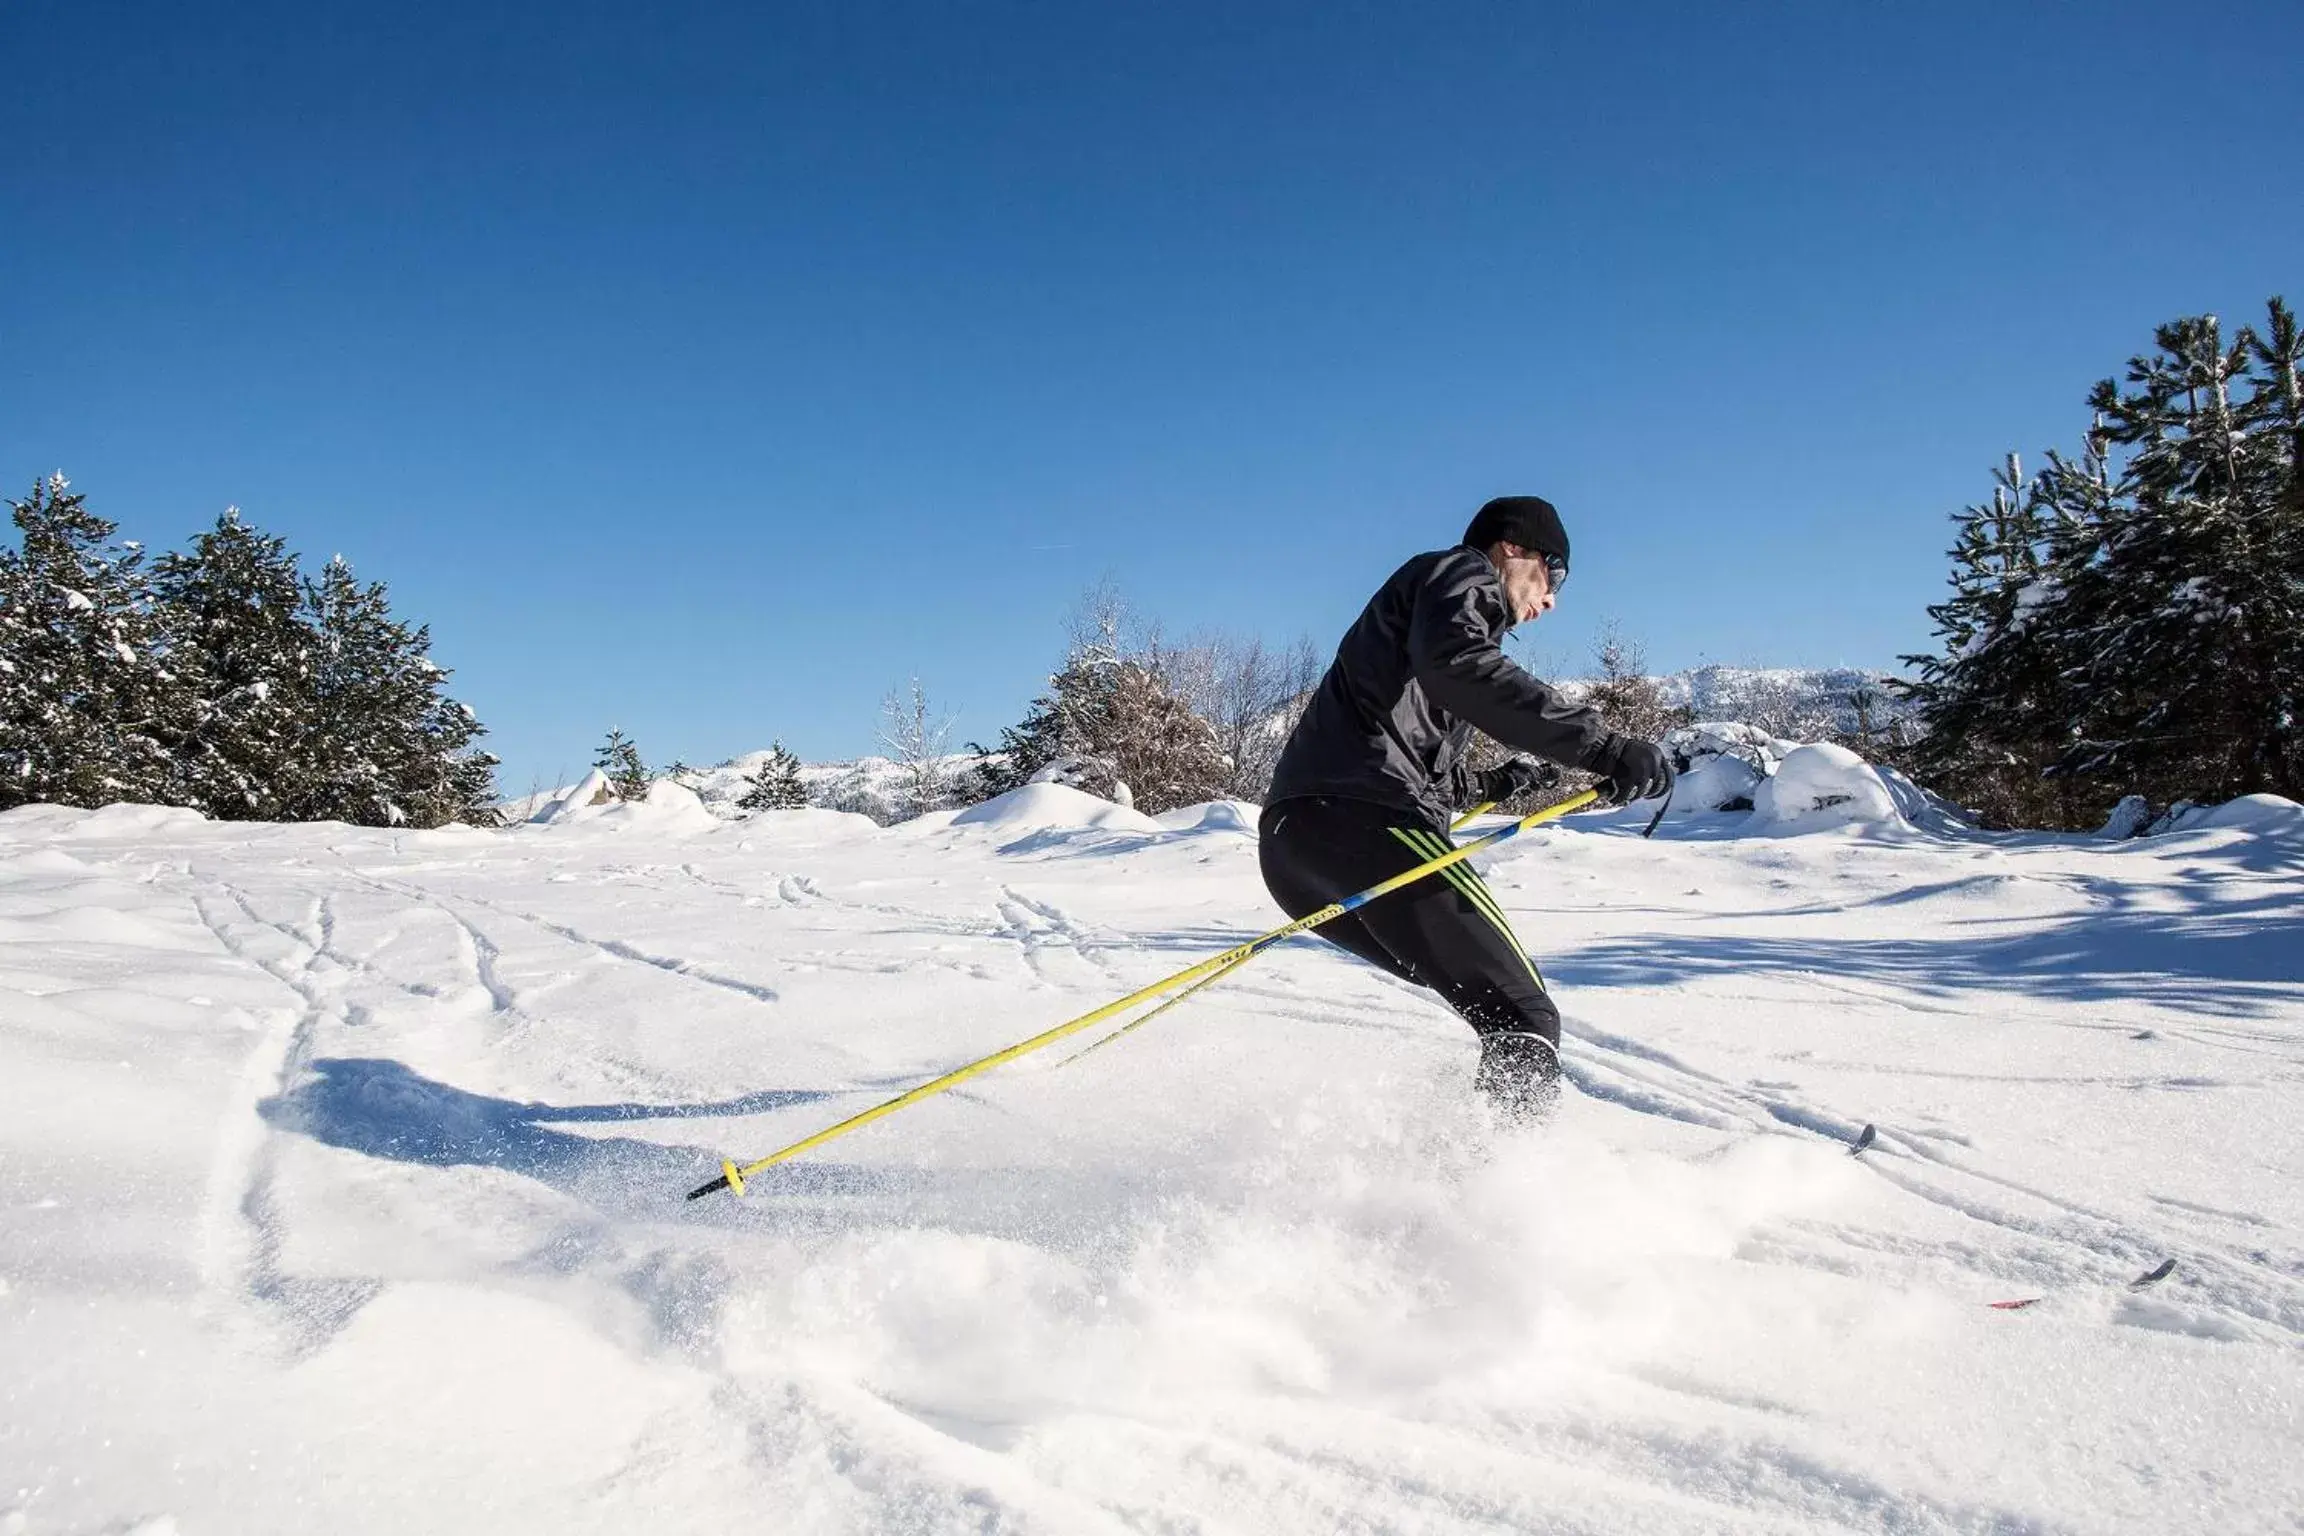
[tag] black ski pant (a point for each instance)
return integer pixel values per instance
(1446, 931)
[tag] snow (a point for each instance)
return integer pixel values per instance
(341, 1178)
(2253, 813)
(1821, 785)
(1040, 807)
(1215, 816)
(871, 786)
(1716, 782)
(576, 802)
(2128, 818)
(669, 810)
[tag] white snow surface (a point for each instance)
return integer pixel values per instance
(2255, 813)
(342, 1177)
(1822, 785)
(1047, 805)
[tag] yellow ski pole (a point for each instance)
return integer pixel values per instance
(732, 1175)
(1458, 825)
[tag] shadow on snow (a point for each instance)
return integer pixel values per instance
(383, 1109)
(2216, 954)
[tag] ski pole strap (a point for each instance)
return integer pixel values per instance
(733, 1177)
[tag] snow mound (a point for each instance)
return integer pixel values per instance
(1722, 764)
(29, 821)
(574, 803)
(2249, 813)
(806, 822)
(1924, 808)
(1717, 782)
(669, 808)
(1214, 816)
(1725, 765)
(122, 820)
(1053, 807)
(1821, 785)
(2128, 818)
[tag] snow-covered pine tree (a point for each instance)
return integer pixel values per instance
(388, 747)
(2272, 486)
(1993, 700)
(1106, 722)
(2137, 627)
(89, 702)
(1064, 724)
(233, 604)
(775, 784)
(620, 759)
(2190, 592)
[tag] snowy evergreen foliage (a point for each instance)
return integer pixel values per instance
(223, 682)
(1062, 723)
(1995, 705)
(2132, 621)
(234, 603)
(619, 758)
(88, 703)
(774, 785)
(1114, 727)
(387, 746)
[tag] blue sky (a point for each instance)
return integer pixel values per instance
(707, 370)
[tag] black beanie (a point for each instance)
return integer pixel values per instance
(1528, 521)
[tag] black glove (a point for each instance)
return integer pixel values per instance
(1516, 776)
(1640, 771)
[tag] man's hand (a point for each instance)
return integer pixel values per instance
(1516, 777)
(1642, 770)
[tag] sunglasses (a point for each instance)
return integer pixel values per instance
(1556, 572)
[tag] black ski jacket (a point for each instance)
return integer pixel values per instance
(1419, 668)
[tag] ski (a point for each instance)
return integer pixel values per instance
(1867, 1137)
(2142, 1282)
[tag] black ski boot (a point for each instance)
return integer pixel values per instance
(1520, 1076)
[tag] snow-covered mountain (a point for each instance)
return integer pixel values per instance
(1798, 702)
(869, 786)
(342, 1177)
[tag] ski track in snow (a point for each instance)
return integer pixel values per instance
(1256, 1268)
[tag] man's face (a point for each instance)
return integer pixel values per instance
(1527, 584)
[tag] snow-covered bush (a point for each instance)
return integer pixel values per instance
(1822, 785)
(2251, 813)
(1730, 766)
(1721, 764)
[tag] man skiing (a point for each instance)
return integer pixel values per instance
(1365, 784)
